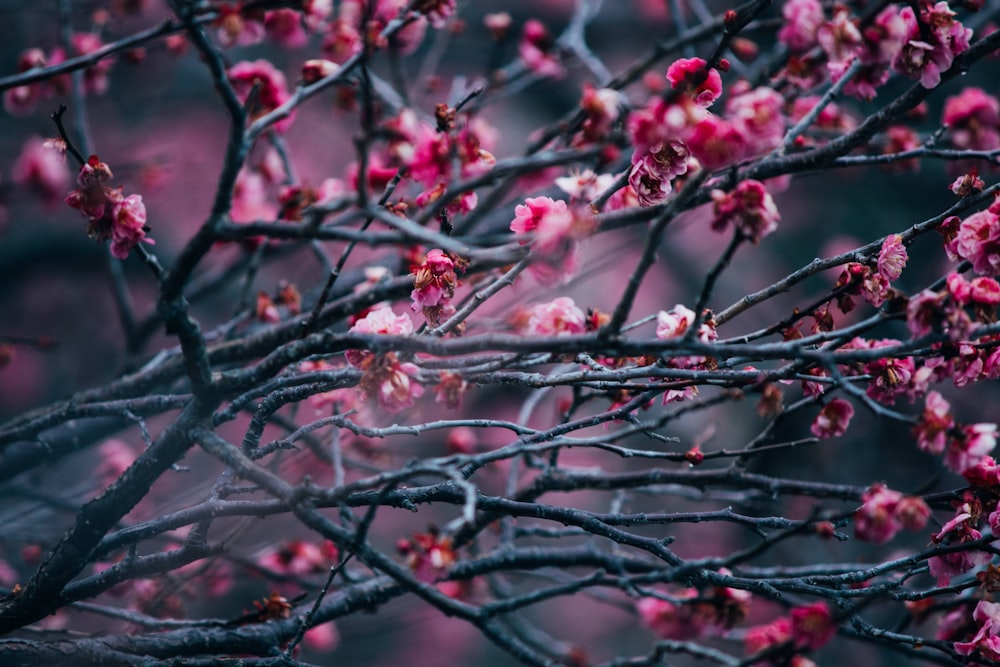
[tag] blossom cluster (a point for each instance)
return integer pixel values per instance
(110, 214)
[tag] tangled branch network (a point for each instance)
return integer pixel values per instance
(562, 332)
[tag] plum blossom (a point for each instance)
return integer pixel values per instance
(652, 171)
(840, 37)
(931, 43)
(559, 317)
(813, 626)
(833, 419)
(973, 120)
(931, 431)
(381, 320)
(958, 530)
(876, 520)
(42, 168)
(434, 284)
(978, 241)
(601, 109)
(892, 257)
(271, 87)
(757, 114)
(237, 26)
(391, 383)
(749, 207)
(986, 641)
(969, 446)
(555, 228)
(585, 185)
(802, 21)
(694, 78)
(111, 215)
(538, 51)
(968, 184)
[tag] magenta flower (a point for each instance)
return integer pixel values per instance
(692, 77)
(833, 420)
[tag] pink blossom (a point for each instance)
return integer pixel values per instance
(299, 558)
(434, 284)
(584, 186)
(968, 184)
(322, 638)
(978, 241)
(935, 422)
(840, 37)
(912, 512)
(237, 27)
(391, 383)
(284, 28)
(717, 143)
(668, 620)
(813, 625)
(958, 530)
(876, 520)
(692, 77)
(437, 11)
(601, 109)
(749, 207)
(970, 446)
(95, 77)
(924, 313)
(652, 170)
(381, 320)
(928, 52)
(802, 20)
(757, 114)
(41, 168)
(272, 90)
(762, 637)
(973, 120)
(342, 41)
(892, 257)
(986, 641)
(559, 317)
(833, 419)
(538, 51)
(129, 228)
(674, 323)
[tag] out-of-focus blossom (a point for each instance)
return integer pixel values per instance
(833, 420)
(270, 85)
(538, 50)
(749, 207)
(559, 317)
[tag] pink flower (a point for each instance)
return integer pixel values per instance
(272, 90)
(876, 520)
(892, 257)
(968, 184)
(381, 320)
(437, 11)
(601, 109)
(391, 383)
(322, 638)
(237, 27)
(299, 558)
(342, 41)
(840, 37)
(434, 284)
(958, 530)
(95, 77)
(584, 186)
(978, 241)
(986, 641)
(970, 446)
(757, 114)
(717, 143)
(833, 419)
(761, 637)
(691, 77)
(129, 227)
(973, 120)
(559, 317)
(812, 626)
(913, 513)
(924, 313)
(749, 207)
(802, 20)
(284, 27)
(930, 48)
(667, 620)
(935, 422)
(538, 51)
(41, 168)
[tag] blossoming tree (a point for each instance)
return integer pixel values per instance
(566, 349)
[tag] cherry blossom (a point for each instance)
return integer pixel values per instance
(559, 317)
(694, 78)
(833, 419)
(749, 207)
